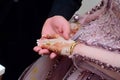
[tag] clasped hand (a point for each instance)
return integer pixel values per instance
(54, 44)
(54, 25)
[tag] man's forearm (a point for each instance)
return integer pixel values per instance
(65, 8)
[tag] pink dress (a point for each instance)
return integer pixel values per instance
(100, 29)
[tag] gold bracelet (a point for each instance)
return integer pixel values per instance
(72, 47)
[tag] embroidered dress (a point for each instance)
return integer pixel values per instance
(101, 31)
(64, 68)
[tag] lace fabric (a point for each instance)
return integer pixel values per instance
(80, 63)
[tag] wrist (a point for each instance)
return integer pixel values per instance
(69, 49)
(72, 48)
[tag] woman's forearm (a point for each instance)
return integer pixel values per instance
(101, 55)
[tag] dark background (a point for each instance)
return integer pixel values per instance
(20, 25)
(21, 22)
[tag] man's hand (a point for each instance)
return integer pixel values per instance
(56, 25)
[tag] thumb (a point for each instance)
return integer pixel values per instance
(66, 32)
(66, 35)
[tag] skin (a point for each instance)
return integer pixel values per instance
(81, 49)
(57, 44)
(56, 25)
(90, 52)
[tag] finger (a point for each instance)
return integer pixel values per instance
(44, 51)
(66, 35)
(59, 30)
(66, 32)
(46, 46)
(36, 48)
(50, 36)
(50, 48)
(53, 55)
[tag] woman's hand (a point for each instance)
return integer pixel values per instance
(54, 45)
